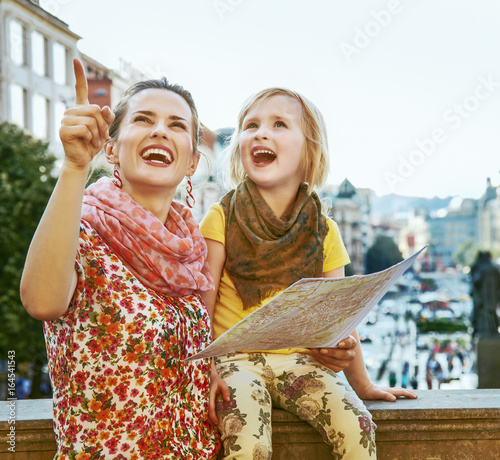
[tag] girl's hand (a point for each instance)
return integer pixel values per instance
(372, 391)
(217, 385)
(84, 128)
(336, 359)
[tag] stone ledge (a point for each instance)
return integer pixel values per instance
(440, 425)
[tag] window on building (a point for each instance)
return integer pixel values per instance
(60, 64)
(40, 117)
(18, 110)
(17, 40)
(39, 53)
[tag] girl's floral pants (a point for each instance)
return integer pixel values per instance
(299, 384)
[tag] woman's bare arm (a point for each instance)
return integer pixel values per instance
(49, 277)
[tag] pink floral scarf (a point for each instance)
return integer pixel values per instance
(168, 258)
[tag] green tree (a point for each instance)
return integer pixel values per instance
(100, 169)
(25, 187)
(382, 254)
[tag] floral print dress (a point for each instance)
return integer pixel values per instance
(120, 388)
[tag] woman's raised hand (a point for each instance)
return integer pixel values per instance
(84, 128)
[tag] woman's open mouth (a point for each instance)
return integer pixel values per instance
(157, 155)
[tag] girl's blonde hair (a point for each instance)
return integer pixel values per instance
(315, 166)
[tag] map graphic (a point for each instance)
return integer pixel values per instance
(311, 313)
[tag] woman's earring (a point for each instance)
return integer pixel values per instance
(189, 195)
(118, 182)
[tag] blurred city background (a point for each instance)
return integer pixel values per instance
(421, 335)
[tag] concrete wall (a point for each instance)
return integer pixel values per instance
(439, 425)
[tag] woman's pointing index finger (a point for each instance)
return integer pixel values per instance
(81, 87)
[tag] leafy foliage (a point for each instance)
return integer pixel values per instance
(25, 187)
(349, 270)
(442, 325)
(428, 284)
(382, 254)
(100, 170)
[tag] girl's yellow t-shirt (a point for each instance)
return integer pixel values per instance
(229, 308)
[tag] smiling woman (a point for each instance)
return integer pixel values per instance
(152, 145)
(115, 271)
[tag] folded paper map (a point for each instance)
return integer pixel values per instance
(311, 313)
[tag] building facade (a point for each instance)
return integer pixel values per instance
(36, 70)
(449, 232)
(349, 211)
(489, 219)
(99, 80)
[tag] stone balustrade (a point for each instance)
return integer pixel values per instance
(439, 425)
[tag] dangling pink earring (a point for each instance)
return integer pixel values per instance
(189, 189)
(118, 182)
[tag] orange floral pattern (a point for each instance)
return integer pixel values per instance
(120, 388)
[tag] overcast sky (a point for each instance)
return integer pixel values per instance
(410, 89)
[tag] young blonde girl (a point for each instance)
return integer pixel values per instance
(262, 236)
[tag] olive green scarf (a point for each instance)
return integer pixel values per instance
(266, 254)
